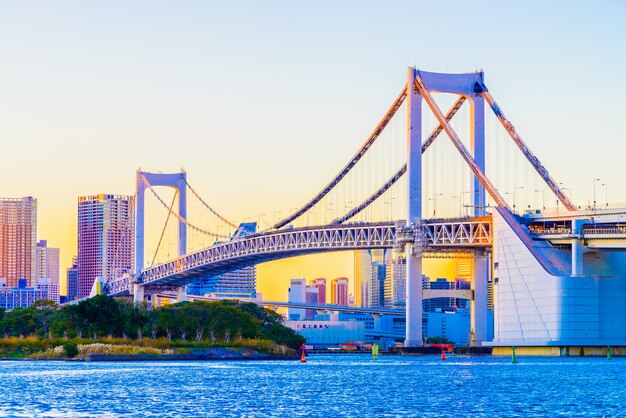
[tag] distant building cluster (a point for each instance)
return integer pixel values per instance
(380, 282)
(314, 293)
(29, 270)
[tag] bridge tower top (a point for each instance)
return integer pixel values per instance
(146, 180)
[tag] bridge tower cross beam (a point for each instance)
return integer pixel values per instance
(467, 85)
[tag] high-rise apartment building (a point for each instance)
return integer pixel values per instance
(395, 284)
(18, 235)
(376, 290)
(72, 280)
(47, 260)
(320, 284)
(238, 283)
(339, 291)
(106, 236)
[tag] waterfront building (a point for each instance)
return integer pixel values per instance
(18, 235)
(72, 280)
(395, 284)
(236, 284)
(106, 235)
(320, 284)
(22, 295)
(297, 294)
(328, 329)
(47, 262)
(339, 291)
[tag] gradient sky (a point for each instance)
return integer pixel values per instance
(90, 91)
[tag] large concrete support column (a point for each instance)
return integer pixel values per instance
(182, 211)
(181, 294)
(577, 247)
(139, 224)
(414, 175)
(478, 306)
(138, 293)
(477, 145)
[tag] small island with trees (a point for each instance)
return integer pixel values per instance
(104, 329)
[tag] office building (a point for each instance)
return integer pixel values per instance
(376, 290)
(106, 236)
(236, 284)
(18, 235)
(47, 262)
(297, 294)
(311, 296)
(362, 273)
(339, 291)
(72, 280)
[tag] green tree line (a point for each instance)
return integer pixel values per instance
(103, 316)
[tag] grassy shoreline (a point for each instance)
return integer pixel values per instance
(37, 348)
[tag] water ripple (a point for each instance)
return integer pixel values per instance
(340, 385)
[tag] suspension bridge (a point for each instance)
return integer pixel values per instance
(425, 184)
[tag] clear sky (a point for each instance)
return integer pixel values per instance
(90, 91)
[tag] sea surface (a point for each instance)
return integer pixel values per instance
(351, 385)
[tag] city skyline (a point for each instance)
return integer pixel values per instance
(191, 99)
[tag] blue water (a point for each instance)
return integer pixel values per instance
(327, 386)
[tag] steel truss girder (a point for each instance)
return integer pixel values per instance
(443, 238)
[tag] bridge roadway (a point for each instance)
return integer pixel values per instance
(439, 235)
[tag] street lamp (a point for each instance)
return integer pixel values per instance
(594, 193)
(434, 199)
(460, 204)
(606, 195)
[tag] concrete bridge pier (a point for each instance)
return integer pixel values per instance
(181, 294)
(138, 292)
(577, 247)
(478, 304)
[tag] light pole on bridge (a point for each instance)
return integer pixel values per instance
(434, 199)
(606, 195)
(595, 181)
(543, 198)
(460, 204)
